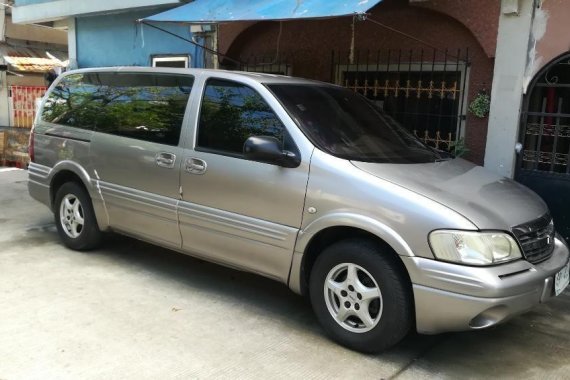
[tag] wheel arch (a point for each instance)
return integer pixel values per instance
(333, 228)
(67, 171)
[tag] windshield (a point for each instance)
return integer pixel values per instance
(347, 125)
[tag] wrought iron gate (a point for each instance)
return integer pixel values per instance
(424, 90)
(23, 104)
(544, 163)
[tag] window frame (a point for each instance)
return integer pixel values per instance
(94, 129)
(186, 58)
(59, 82)
(226, 153)
(445, 66)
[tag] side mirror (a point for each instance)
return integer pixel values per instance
(268, 149)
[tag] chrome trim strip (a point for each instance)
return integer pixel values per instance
(136, 196)
(38, 170)
(241, 226)
(241, 237)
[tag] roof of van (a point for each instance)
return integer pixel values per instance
(258, 77)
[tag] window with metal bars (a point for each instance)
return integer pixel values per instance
(423, 91)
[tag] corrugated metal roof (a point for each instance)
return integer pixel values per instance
(33, 65)
(30, 59)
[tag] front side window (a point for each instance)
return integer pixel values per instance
(347, 125)
(231, 113)
(143, 106)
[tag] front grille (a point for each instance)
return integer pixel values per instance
(536, 238)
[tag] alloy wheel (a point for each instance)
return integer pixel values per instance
(71, 216)
(353, 297)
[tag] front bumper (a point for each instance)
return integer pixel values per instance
(451, 297)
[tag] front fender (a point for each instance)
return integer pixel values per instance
(342, 219)
(363, 222)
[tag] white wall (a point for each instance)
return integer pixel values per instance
(4, 113)
(508, 85)
(35, 33)
(60, 9)
(72, 43)
(2, 23)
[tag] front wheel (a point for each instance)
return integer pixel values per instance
(361, 296)
(75, 218)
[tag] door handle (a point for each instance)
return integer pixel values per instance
(165, 160)
(196, 166)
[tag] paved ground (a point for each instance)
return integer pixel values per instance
(135, 311)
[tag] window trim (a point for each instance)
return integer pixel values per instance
(62, 79)
(226, 153)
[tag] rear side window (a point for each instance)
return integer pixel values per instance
(143, 106)
(231, 113)
(68, 103)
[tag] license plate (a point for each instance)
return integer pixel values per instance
(562, 279)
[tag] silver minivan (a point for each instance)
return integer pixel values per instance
(304, 182)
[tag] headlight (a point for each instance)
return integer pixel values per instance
(474, 248)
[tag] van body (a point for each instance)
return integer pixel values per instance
(300, 181)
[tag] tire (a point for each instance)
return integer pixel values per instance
(71, 207)
(369, 311)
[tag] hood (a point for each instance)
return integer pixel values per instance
(488, 200)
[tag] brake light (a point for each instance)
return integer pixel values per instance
(31, 146)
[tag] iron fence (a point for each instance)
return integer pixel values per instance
(262, 64)
(425, 90)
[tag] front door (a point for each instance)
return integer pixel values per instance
(544, 163)
(239, 212)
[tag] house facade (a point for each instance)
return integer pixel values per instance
(492, 75)
(106, 32)
(531, 102)
(424, 62)
(27, 53)
(487, 79)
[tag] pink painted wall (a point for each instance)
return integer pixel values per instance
(556, 39)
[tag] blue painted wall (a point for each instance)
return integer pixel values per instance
(28, 2)
(116, 40)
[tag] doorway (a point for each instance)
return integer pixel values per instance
(544, 162)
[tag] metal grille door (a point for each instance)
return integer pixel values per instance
(544, 163)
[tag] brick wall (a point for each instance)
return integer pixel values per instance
(312, 41)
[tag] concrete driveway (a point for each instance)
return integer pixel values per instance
(134, 311)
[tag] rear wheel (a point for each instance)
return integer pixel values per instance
(360, 296)
(75, 218)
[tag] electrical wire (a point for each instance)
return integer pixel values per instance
(212, 51)
(411, 37)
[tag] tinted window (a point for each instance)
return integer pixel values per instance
(232, 112)
(347, 125)
(68, 103)
(138, 105)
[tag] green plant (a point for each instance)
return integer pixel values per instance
(459, 148)
(481, 105)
